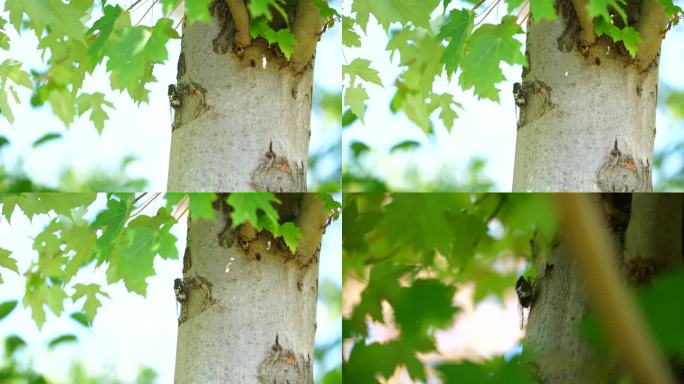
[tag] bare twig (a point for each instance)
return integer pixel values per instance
(307, 29)
(621, 320)
(133, 5)
(651, 26)
(241, 19)
(587, 35)
(154, 2)
(491, 8)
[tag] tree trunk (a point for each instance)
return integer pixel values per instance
(250, 312)
(647, 231)
(243, 123)
(588, 121)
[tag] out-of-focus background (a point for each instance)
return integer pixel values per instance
(133, 151)
(478, 153)
(133, 338)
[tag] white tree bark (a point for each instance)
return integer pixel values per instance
(244, 119)
(648, 243)
(589, 119)
(250, 314)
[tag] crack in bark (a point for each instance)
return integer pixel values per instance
(275, 174)
(283, 366)
(201, 285)
(192, 103)
(621, 173)
(534, 108)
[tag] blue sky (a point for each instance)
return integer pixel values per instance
(143, 131)
(129, 331)
(484, 129)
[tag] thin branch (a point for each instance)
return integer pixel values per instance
(307, 29)
(154, 2)
(587, 35)
(241, 19)
(182, 213)
(651, 26)
(148, 202)
(497, 209)
(597, 261)
(181, 204)
(182, 19)
(494, 5)
(133, 5)
(139, 197)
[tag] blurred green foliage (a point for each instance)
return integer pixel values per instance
(16, 365)
(414, 251)
(665, 319)
(325, 167)
(668, 163)
(96, 180)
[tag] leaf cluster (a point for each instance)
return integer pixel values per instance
(119, 239)
(74, 38)
(437, 39)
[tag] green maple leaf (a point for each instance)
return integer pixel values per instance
(329, 203)
(4, 39)
(114, 18)
(282, 37)
(200, 204)
(291, 234)
(94, 102)
(64, 203)
(197, 10)
(361, 68)
(111, 221)
(169, 5)
(246, 207)
(600, 8)
(326, 10)
(426, 231)
(261, 8)
(488, 46)
(349, 37)
(629, 36)
(63, 104)
(92, 303)
(456, 28)
(386, 12)
(133, 56)
(355, 98)
(162, 241)
(62, 19)
(38, 294)
(81, 240)
(28, 203)
(446, 102)
(10, 70)
(133, 261)
(8, 262)
(543, 9)
(417, 110)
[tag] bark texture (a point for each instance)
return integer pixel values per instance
(250, 314)
(648, 234)
(244, 119)
(588, 123)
